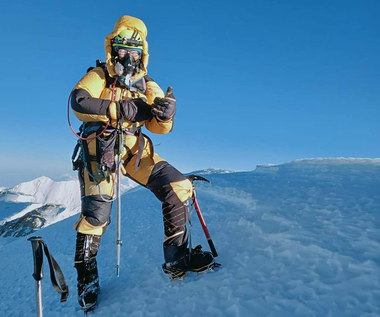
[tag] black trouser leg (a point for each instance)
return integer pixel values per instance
(175, 242)
(174, 210)
(87, 247)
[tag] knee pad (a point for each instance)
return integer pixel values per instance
(183, 189)
(95, 215)
(96, 209)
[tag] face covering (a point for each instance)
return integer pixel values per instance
(125, 68)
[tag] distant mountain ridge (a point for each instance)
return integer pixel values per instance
(41, 202)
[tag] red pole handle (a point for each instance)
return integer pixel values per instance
(204, 227)
(200, 216)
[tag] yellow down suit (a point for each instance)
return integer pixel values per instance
(90, 102)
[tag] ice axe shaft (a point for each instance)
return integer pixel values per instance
(200, 216)
(204, 226)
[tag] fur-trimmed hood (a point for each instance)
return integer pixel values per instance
(131, 23)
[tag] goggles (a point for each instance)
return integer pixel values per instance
(128, 50)
(123, 52)
(127, 44)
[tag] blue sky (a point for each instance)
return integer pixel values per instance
(256, 82)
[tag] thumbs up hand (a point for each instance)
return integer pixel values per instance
(169, 93)
(165, 108)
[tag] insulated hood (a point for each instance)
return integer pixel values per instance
(130, 23)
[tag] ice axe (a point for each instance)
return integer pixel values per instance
(193, 178)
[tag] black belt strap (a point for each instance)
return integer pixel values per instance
(140, 147)
(55, 270)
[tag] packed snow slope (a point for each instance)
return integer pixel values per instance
(297, 239)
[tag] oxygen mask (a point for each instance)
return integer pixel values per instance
(127, 63)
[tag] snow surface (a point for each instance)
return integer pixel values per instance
(297, 239)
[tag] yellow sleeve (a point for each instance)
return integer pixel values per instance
(153, 91)
(85, 100)
(160, 127)
(93, 82)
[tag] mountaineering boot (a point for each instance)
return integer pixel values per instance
(194, 260)
(85, 262)
(88, 284)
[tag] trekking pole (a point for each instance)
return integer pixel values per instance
(37, 259)
(200, 216)
(38, 247)
(118, 205)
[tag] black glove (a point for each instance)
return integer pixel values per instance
(135, 110)
(165, 108)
